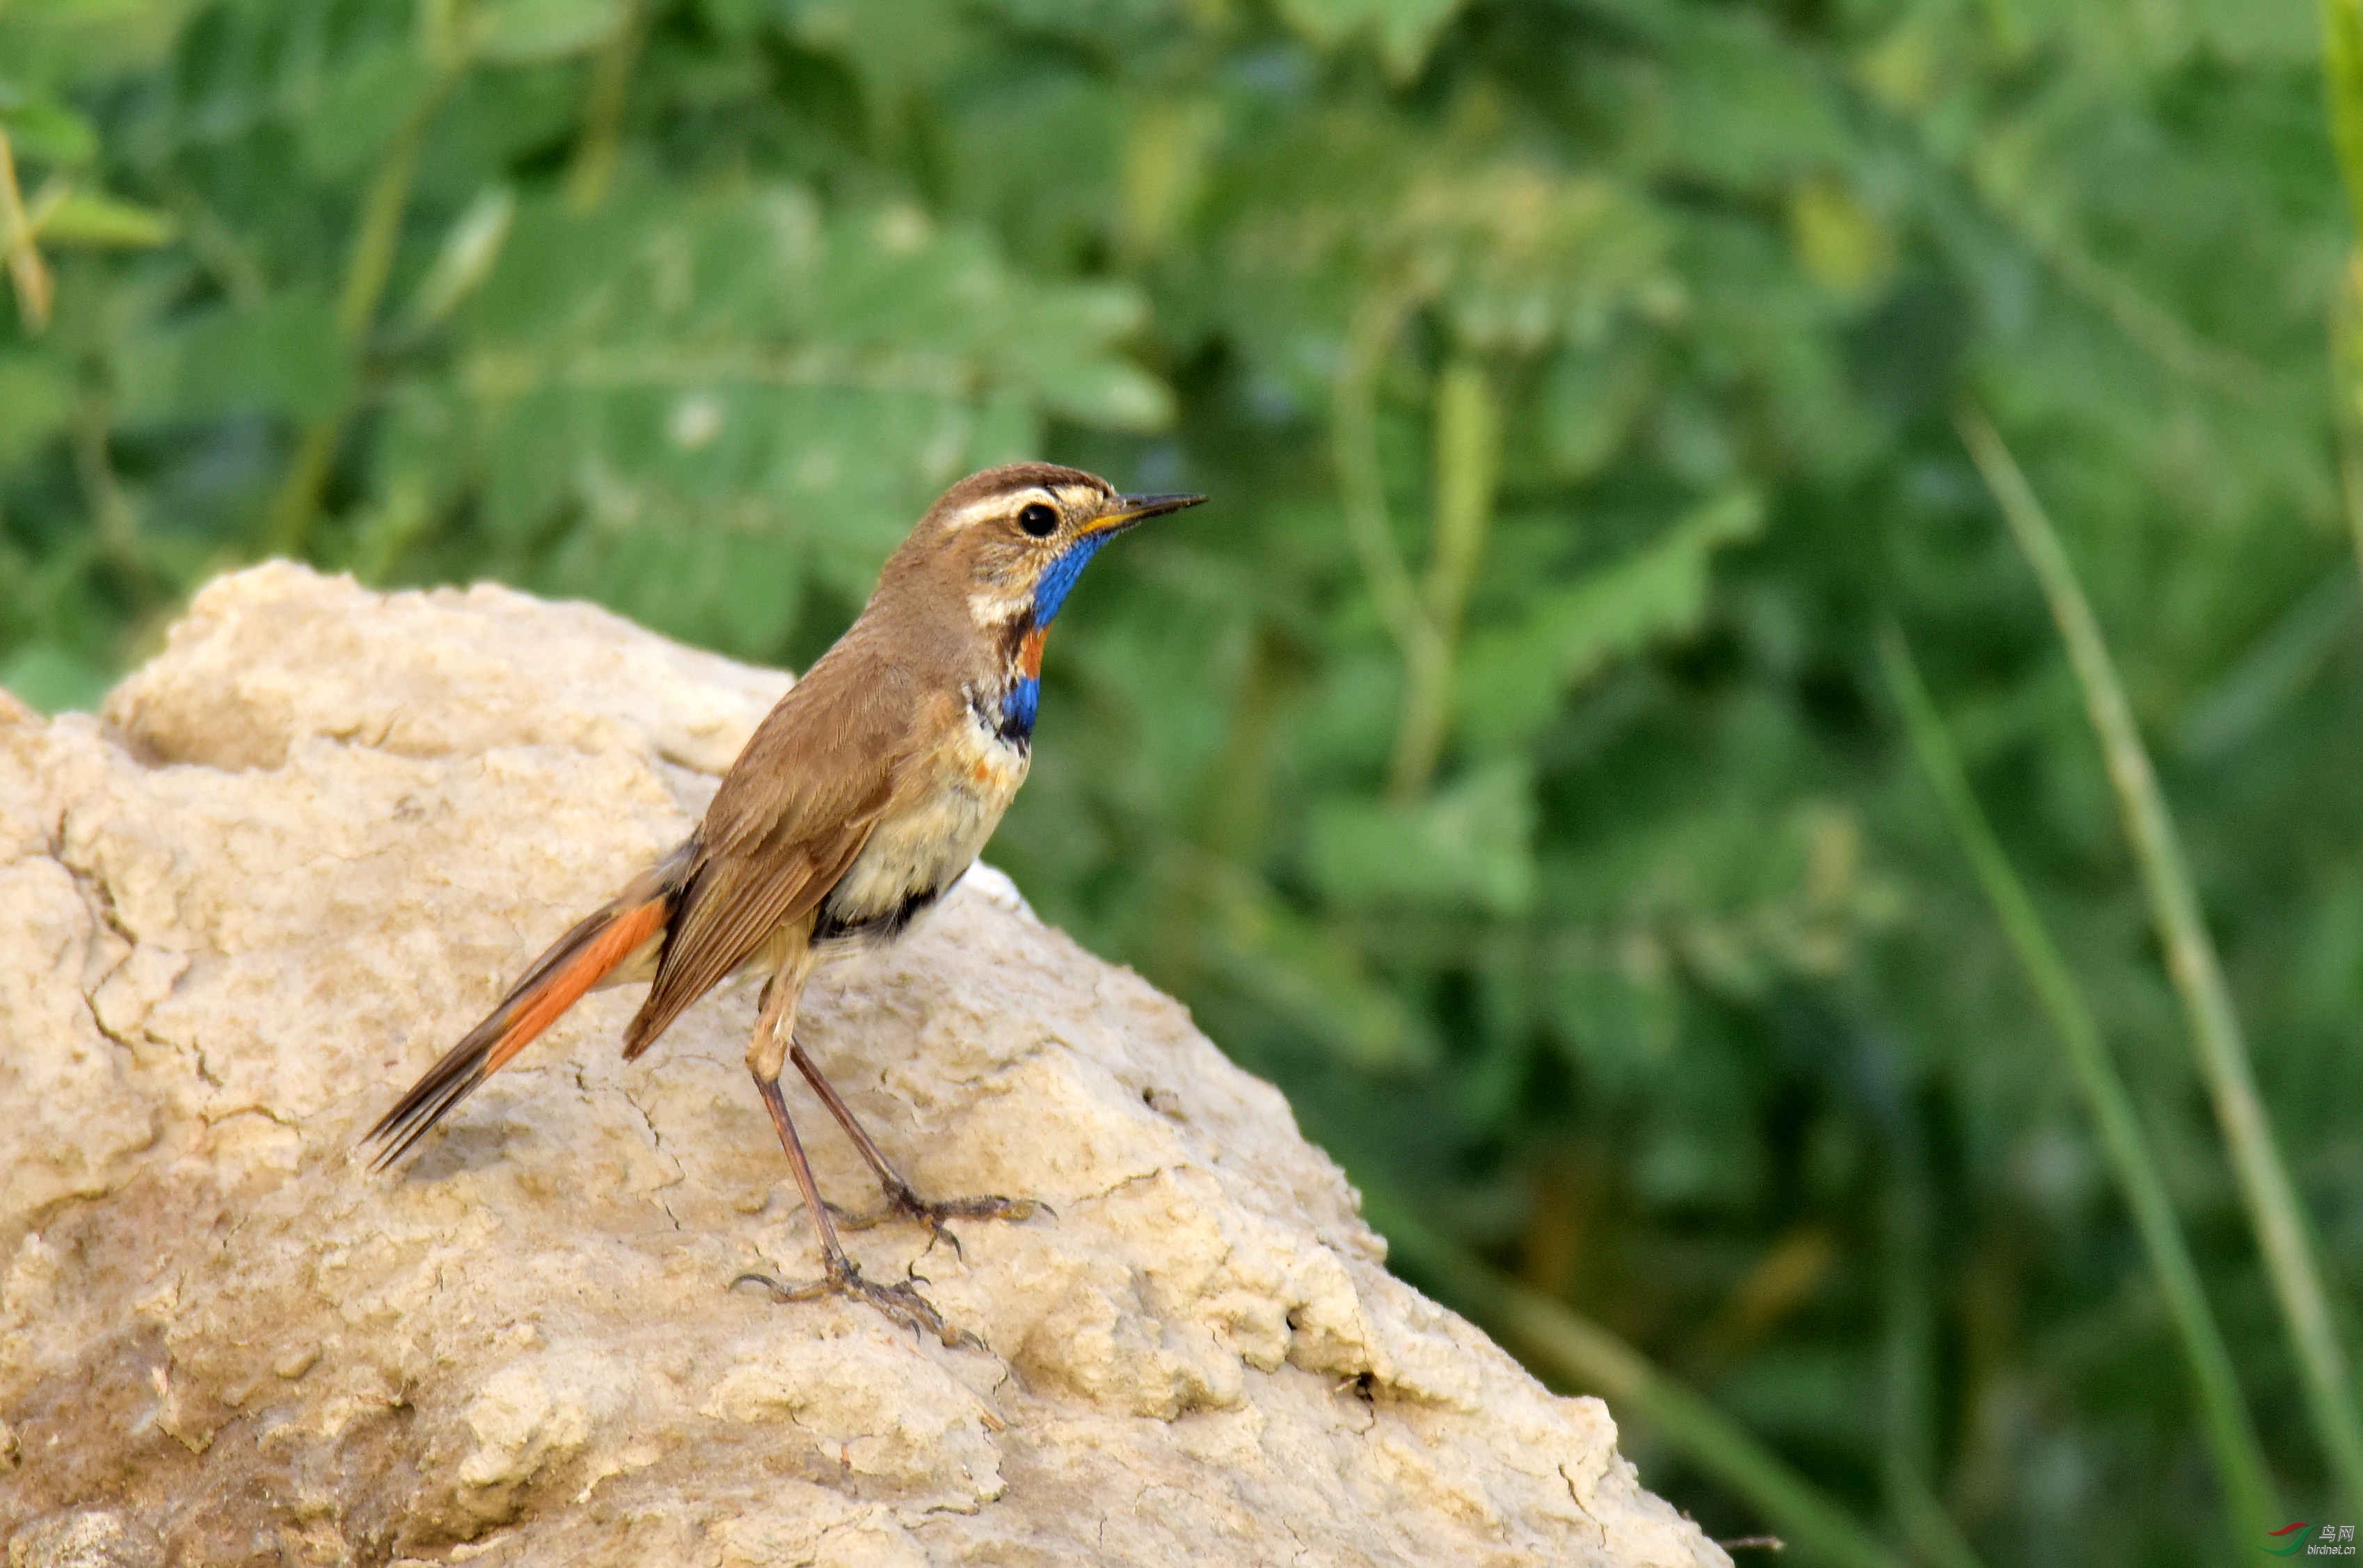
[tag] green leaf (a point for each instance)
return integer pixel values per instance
(2272, 33)
(347, 112)
(1618, 1017)
(1587, 403)
(44, 130)
(36, 400)
(1470, 845)
(283, 356)
(1511, 677)
(92, 220)
(1737, 105)
(518, 32)
(772, 394)
(1404, 30)
(895, 47)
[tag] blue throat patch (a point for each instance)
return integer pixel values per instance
(1059, 578)
(1024, 699)
(1018, 709)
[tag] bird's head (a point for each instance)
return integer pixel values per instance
(1013, 539)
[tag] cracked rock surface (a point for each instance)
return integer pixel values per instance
(303, 849)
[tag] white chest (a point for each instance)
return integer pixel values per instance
(920, 850)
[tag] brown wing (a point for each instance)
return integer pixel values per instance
(790, 816)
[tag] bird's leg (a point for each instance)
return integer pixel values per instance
(902, 1303)
(902, 1198)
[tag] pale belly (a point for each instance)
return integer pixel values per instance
(913, 856)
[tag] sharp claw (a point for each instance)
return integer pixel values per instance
(780, 1292)
(900, 1304)
(908, 1204)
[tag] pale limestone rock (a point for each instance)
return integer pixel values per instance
(304, 848)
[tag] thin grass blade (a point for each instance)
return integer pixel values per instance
(2239, 1458)
(2274, 1213)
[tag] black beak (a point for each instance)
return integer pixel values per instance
(1131, 509)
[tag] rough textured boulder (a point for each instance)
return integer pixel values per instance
(303, 849)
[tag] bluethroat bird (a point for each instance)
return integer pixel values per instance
(861, 797)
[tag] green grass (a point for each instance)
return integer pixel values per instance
(2276, 1218)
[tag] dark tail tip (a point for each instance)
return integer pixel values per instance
(574, 964)
(447, 1083)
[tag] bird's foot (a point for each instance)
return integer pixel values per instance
(903, 1203)
(900, 1303)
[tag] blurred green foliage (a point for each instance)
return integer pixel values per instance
(1503, 764)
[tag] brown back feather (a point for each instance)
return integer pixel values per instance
(790, 816)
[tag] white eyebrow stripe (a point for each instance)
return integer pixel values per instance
(991, 506)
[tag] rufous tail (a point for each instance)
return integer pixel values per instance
(559, 979)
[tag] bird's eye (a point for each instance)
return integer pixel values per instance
(1039, 520)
